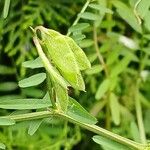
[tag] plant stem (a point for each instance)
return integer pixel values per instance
(78, 17)
(99, 55)
(93, 128)
(136, 13)
(139, 114)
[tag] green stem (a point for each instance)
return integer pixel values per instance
(94, 128)
(139, 115)
(78, 17)
(136, 13)
(99, 55)
(51, 91)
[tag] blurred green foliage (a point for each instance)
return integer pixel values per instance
(117, 85)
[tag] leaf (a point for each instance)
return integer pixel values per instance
(77, 112)
(147, 121)
(134, 131)
(5, 70)
(2, 146)
(94, 70)
(115, 109)
(86, 43)
(78, 37)
(127, 14)
(82, 60)
(6, 121)
(8, 86)
(113, 56)
(55, 75)
(61, 97)
(32, 80)
(102, 89)
(121, 66)
(24, 103)
(37, 63)
(147, 20)
(78, 27)
(34, 125)
(89, 16)
(101, 8)
(109, 144)
(143, 8)
(57, 47)
(33, 92)
(6, 8)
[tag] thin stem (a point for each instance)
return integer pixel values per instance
(99, 55)
(138, 106)
(78, 17)
(136, 13)
(93, 128)
(139, 115)
(109, 16)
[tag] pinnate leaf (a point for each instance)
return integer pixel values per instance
(77, 112)
(6, 121)
(102, 89)
(109, 144)
(32, 80)
(34, 125)
(24, 103)
(37, 63)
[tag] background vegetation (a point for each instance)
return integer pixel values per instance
(115, 36)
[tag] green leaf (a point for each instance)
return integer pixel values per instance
(34, 125)
(37, 63)
(134, 131)
(101, 8)
(89, 16)
(33, 92)
(121, 66)
(8, 86)
(147, 121)
(6, 8)
(94, 70)
(115, 109)
(147, 20)
(5, 70)
(113, 56)
(62, 56)
(127, 14)
(56, 47)
(78, 27)
(24, 103)
(32, 80)
(82, 60)
(143, 8)
(61, 97)
(109, 144)
(53, 72)
(86, 43)
(6, 121)
(77, 112)
(102, 89)
(78, 37)
(2, 146)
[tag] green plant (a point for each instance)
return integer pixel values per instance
(117, 79)
(61, 73)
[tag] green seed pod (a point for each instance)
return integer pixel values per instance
(80, 56)
(68, 58)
